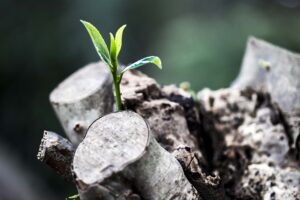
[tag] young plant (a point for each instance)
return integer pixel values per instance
(74, 197)
(110, 57)
(186, 86)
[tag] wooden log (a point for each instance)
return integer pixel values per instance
(57, 152)
(119, 149)
(82, 98)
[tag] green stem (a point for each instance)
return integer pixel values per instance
(117, 85)
(118, 93)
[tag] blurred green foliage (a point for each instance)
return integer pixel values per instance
(207, 48)
(42, 42)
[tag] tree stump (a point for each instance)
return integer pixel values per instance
(241, 142)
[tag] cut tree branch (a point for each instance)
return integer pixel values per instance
(82, 98)
(57, 152)
(119, 147)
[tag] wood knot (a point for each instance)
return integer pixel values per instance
(78, 128)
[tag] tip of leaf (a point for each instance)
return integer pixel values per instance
(111, 35)
(83, 21)
(157, 62)
(120, 31)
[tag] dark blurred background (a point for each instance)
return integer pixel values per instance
(42, 42)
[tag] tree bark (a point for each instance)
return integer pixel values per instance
(57, 152)
(279, 77)
(252, 146)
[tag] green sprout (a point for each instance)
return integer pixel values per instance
(110, 57)
(74, 197)
(264, 64)
(186, 86)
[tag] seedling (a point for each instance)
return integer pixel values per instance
(110, 57)
(74, 197)
(264, 64)
(186, 86)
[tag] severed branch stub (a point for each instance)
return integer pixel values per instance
(57, 152)
(119, 149)
(82, 98)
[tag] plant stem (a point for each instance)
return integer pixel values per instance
(117, 85)
(117, 92)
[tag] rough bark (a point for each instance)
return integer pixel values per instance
(274, 70)
(252, 137)
(262, 181)
(166, 118)
(119, 148)
(186, 101)
(82, 98)
(209, 186)
(274, 134)
(57, 152)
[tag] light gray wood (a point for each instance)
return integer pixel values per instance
(120, 146)
(82, 98)
(273, 69)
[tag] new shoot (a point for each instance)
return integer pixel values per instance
(110, 57)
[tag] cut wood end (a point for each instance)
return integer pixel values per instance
(42, 147)
(49, 139)
(82, 83)
(111, 144)
(57, 152)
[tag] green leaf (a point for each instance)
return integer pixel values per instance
(98, 41)
(151, 59)
(113, 50)
(118, 39)
(74, 197)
